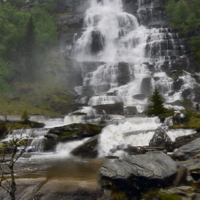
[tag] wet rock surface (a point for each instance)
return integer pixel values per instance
(160, 139)
(141, 171)
(184, 192)
(117, 108)
(182, 140)
(188, 151)
(88, 149)
(76, 131)
(26, 188)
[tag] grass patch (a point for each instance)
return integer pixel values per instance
(192, 121)
(154, 194)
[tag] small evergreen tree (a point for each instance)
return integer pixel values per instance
(25, 117)
(157, 107)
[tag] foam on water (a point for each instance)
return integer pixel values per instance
(116, 135)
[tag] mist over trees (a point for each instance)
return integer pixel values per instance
(25, 37)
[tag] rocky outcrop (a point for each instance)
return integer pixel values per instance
(177, 84)
(182, 140)
(76, 131)
(157, 24)
(50, 142)
(139, 96)
(160, 139)
(123, 73)
(153, 169)
(184, 192)
(146, 86)
(117, 108)
(88, 149)
(193, 166)
(188, 151)
(130, 110)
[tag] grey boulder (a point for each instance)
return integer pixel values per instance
(188, 151)
(153, 169)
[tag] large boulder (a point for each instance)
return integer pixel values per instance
(160, 139)
(139, 172)
(76, 131)
(188, 151)
(88, 149)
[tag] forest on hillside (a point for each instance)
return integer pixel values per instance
(30, 67)
(25, 38)
(184, 16)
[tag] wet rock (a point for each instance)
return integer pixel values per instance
(88, 149)
(160, 139)
(140, 172)
(184, 192)
(76, 131)
(32, 124)
(133, 150)
(117, 108)
(130, 110)
(157, 24)
(123, 73)
(97, 42)
(188, 151)
(193, 165)
(72, 189)
(139, 96)
(50, 142)
(182, 140)
(26, 188)
(114, 93)
(146, 88)
(180, 64)
(87, 91)
(186, 93)
(181, 177)
(177, 84)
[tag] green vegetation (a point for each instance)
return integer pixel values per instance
(185, 17)
(25, 117)
(157, 107)
(154, 194)
(192, 121)
(32, 76)
(119, 196)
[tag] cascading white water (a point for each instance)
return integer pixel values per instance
(113, 36)
(134, 131)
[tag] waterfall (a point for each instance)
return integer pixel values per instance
(130, 58)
